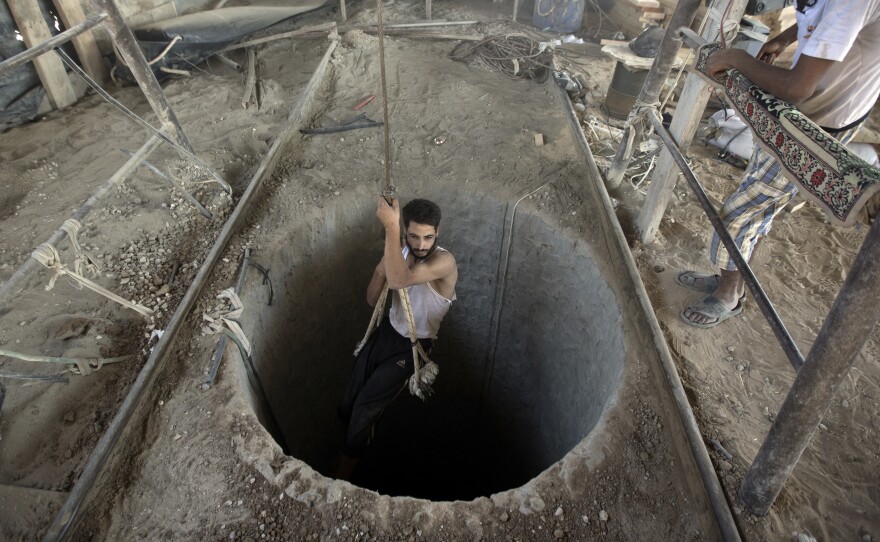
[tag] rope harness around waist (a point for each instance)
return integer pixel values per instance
(423, 376)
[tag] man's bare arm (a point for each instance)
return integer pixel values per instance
(397, 272)
(792, 85)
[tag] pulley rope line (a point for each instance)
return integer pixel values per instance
(389, 187)
(423, 375)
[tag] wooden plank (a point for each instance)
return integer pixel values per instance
(30, 22)
(648, 4)
(71, 13)
(656, 16)
(683, 127)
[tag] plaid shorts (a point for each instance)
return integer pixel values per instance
(748, 213)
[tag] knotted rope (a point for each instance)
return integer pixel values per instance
(47, 255)
(78, 366)
(423, 376)
(71, 226)
(226, 321)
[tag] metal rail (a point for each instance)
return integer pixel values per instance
(720, 507)
(123, 173)
(785, 340)
(46, 46)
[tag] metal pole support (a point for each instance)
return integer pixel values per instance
(849, 324)
(137, 63)
(683, 15)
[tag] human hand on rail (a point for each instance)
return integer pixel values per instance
(388, 215)
(722, 60)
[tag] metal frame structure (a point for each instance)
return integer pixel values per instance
(126, 44)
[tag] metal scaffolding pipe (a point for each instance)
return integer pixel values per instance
(684, 14)
(48, 45)
(788, 345)
(849, 324)
(134, 58)
(720, 506)
(123, 173)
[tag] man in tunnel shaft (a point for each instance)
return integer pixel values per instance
(385, 363)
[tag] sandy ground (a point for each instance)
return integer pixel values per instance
(189, 475)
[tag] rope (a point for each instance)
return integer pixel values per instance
(78, 366)
(389, 187)
(423, 376)
(71, 226)
(226, 320)
(161, 55)
(374, 320)
(47, 255)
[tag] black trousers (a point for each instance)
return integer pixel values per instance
(381, 370)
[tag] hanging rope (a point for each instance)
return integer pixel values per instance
(374, 321)
(423, 377)
(47, 255)
(389, 187)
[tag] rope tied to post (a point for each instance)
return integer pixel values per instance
(225, 321)
(640, 112)
(48, 255)
(71, 226)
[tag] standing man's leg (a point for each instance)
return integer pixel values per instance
(748, 216)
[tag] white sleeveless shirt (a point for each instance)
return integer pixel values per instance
(428, 307)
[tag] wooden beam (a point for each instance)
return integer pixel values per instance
(32, 25)
(683, 127)
(428, 9)
(71, 13)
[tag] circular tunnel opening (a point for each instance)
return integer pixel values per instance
(530, 355)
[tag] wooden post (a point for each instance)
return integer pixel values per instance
(849, 324)
(134, 58)
(342, 10)
(71, 13)
(515, 9)
(32, 25)
(684, 14)
(683, 127)
(428, 9)
(29, 54)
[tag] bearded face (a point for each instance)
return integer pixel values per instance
(421, 239)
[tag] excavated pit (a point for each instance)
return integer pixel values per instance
(528, 364)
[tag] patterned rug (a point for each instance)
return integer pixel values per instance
(827, 172)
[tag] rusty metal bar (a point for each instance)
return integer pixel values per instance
(134, 58)
(684, 14)
(849, 324)
(56, 41)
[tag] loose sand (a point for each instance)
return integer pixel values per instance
(200, 465)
